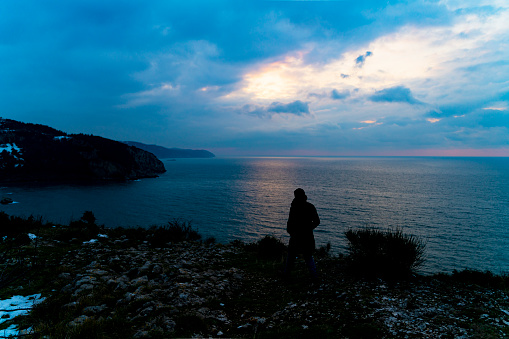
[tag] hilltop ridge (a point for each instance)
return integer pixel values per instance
(32, 152)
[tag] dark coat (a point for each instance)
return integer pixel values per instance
(303, 219)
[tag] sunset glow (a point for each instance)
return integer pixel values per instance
(325, 77)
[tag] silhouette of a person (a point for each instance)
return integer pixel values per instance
(303, 219)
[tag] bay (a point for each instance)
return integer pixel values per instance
(459, 206)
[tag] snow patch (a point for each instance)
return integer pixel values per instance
(62, 137)
(9, 148)
(14, 152)
(15, 306)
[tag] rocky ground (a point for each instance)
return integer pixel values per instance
(120, 287)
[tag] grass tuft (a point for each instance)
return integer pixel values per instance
(177, 230)
(389, 254)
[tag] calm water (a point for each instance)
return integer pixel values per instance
(460, 206)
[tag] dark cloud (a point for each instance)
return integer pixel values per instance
(361, 59)
(395, 94)
(296, 108)
(152, 71)
(255, 110)
(336, 95)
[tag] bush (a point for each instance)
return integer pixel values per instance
(271, 248)
(88, 217)
(323, 251)
(12, 226)
(480, 278)
(83, 229)
(387, 254)
(177, 230)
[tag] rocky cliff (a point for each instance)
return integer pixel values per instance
(30, 152)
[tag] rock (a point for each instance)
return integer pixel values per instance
(79, 321)
(88, 280)
(6, 201)
(94, 309)
(157, 269)
(65, 276)
(145, 268)
(71, 304)
(141, 334)
(121, 286)
(139, 281)
(82, 288)
(67, 288)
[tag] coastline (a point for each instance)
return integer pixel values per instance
(123, 282)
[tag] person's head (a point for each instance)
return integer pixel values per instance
(300, 194)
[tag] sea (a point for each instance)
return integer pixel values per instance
(458, 206)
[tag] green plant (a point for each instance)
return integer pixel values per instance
(323, 251)
(387, 254)
(475, 277)
(271, 248)
(177, 230)
(89, 217)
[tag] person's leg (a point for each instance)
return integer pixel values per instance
(290, 260)
(310, 263)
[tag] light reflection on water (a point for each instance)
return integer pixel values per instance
(460, 206)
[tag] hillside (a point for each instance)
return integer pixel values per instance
(93, 282)
(30, 152)
(164, 153)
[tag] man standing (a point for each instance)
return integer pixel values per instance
(303, 219)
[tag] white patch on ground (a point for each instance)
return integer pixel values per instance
(15, 306)
(62, 137)
(9, 148)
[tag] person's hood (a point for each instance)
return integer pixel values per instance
(299, 201)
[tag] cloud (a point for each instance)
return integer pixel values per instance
(361, 59)
(336, 95)
(164, 72)
(395, 94)
(296, 108)
(318, 95)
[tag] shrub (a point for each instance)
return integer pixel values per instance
(271, 248)
(12, 226)
(385, 254)
(485, 279)
(323, 251)
(88, 217)
(177, 230)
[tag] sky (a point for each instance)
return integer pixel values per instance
(269, 78)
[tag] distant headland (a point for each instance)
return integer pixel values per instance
(165, 153)
(38, 153)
